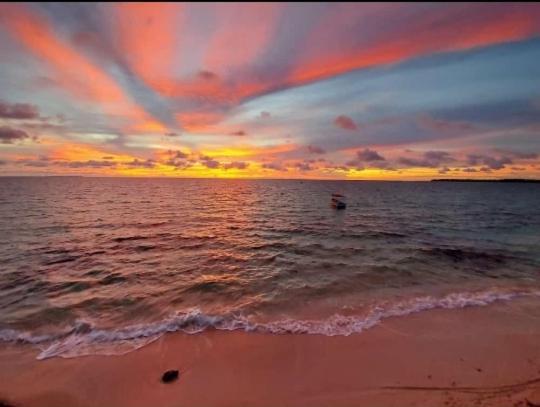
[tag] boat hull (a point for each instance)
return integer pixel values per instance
(338, 205)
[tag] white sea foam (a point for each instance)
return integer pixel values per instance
(86, 339)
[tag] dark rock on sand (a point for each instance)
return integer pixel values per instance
(169, 376)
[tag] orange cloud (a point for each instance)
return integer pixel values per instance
(242, 34)
(82, 152)
(203, 87)
(152, 40)
(250, 151)
(210, 89)
(74, 72)
(199, 122)
(323, 54)
(147, 35)
(147, 126)
(432, 35)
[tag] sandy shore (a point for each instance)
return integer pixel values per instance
(482, 356)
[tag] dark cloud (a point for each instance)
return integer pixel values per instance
(468, 169)
(26, 111)
(177, 154)
(43, 125)
(474, 159)
(240, 165)
(39, 161)
(355, 164)
(430, 159)
(209, 162)
(18, 111)
(369, 155)
(265, 115)
(207, 75)
(32, 163)
(438, 156)
(178, 163)
(9, 135)
(172, 134)
(136, 163)
(345, 122)
(315, 150)
(369, 158)
(337, 167)
(82, 164)
(238, 133)
(497, 163)
(415, 162)
(304, 166)
(179, 159)
(519, 155)
(274, 166)
(444, 170)
(2, 162)
(108, 157)
(489, 162)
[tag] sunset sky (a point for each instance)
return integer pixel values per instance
(327, 91)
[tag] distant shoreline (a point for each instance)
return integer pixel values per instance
(509, 180)
(486, 180)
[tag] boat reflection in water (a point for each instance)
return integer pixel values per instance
(338, 201)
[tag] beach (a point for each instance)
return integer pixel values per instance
(475, 356)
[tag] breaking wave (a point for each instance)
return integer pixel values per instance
(86, 339)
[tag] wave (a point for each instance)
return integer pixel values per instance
(463, 254)
(84, 338)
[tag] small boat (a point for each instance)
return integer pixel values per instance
(338, 201)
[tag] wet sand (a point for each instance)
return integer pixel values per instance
(478, 356)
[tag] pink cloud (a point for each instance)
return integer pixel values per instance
(345, 123)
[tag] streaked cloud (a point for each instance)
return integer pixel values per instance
(316, 90)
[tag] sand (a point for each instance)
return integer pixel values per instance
(477, 356)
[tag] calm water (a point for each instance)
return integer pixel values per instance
(94, 265)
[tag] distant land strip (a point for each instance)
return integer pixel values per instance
(486, 180)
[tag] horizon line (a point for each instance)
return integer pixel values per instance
(278, 179)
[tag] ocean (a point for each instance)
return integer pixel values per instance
(107, 265)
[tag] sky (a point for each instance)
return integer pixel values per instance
(397, 91)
